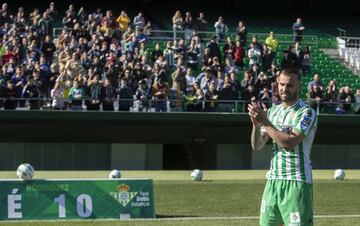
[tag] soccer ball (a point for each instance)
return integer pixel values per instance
(339, 174)
(114, 174)
(196, 175)
(25, 171)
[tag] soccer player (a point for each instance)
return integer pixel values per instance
(287, 197)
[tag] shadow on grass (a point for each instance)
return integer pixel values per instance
(173, 216)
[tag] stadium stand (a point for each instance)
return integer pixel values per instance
(78, 60)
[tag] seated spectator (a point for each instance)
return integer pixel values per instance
(345, 99)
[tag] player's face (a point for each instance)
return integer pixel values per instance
(288, 88)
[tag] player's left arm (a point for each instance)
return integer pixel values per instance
(303, 124)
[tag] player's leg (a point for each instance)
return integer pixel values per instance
(296, 203)
(269, 211)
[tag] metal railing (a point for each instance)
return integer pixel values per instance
(350, 42)
(163, 35)
(152, 105)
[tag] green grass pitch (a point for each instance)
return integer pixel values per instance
(222, 198)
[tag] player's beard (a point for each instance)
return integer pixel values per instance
(290, 97)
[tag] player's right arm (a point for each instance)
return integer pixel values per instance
(258, 137)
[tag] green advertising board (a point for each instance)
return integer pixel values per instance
(76, 199)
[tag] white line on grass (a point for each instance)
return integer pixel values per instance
(178, 218)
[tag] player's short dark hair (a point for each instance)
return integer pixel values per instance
(290, 71)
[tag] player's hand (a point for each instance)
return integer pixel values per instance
(252, 115)
(257, 114)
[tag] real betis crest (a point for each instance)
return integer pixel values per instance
(123, 196)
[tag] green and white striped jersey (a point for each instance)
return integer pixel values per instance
(293, 164)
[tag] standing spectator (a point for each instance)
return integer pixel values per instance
(214, 48)
(139, 21)
(298, 56)
(226, 93)
(229, 48)
(125, 96)
(236, 85)
(31, 92)
(288, 58)
(306, 61)
(192, 55)
(57, 93)
(254, 55)
(265, 96)
(142, 96)
(256, 43)
(76, 96)
(241, 32)
(178, 23)
(148, 28)
(331, 95)
(298, 29)
(48, 48)
(93, 93)
(211, 98)
(315, 96)
(272, 42)
(123, 20)
(316, 81)
(169, 55)
(202, 24)
(267, 58)
(220, 29)
(45, 25)
(19, 81)
(249, 95)
(357, 100)
(10, 94)
(160, 92)
(345, 99)
(188, 26)
(239, 55)
(108, 96)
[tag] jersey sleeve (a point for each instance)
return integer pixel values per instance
(306, 120)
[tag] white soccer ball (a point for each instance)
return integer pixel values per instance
(25, 171)
(196, 175)
(114, 174)
(339, 174)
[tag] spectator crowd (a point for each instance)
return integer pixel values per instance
(101, 61)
